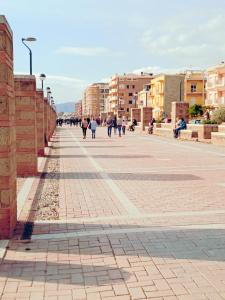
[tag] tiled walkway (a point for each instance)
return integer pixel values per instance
(140, 217)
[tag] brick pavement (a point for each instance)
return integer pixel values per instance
(141, 217)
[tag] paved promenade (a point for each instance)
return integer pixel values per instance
(140, 217)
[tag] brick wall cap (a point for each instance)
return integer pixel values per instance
(3, 20)
(25, 77)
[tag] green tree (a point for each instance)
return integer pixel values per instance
(195, 110)
(219, 115)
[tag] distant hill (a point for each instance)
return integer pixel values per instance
(65, 107)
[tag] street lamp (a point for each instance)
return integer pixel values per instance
(180, 90)
(29, 39)
(42, 78)
(135, 99)
(48, 89)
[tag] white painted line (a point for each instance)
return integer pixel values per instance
(127, 204)
(126, 217)
(78, 234)
(3, 245)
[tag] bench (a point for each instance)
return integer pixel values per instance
(166, 132)
(188, 134)
(218, 138)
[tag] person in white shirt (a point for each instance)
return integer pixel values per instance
(93, 126)
(119, 125)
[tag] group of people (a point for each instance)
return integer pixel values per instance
(118, 124)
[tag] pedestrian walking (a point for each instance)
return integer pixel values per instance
(114, 125)
(119, 125)
(93, 126)
(109, 124)
(84, 126)
(124, 124)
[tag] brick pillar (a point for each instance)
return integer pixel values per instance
(136, 114)
(26, 129)
(46, 121)
(179, 110)
(146, 116)
(49, 122)
(40, 123)
(8, 215)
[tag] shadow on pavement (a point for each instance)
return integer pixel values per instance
(127, 176)
(101, 156)
(106, 250)
(62, 273)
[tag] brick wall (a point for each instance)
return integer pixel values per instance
(26, 128)
(146, 116)
(8, 208)
(179, 110)
(40, 123)
(46, 121)
(136, 114)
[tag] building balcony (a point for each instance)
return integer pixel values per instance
(195, 92)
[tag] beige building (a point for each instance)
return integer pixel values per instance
(164, 90)
(95, 96)
(216, 85)
(84, 106)
(78, 109)
(144, 99)
(123, 92)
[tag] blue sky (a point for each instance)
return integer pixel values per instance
(83, 41)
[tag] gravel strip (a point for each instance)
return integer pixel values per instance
(48, 199)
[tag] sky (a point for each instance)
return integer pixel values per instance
(80, 42)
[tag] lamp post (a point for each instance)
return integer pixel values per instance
(42, 78)
(180, 89)
(48, 93)
(29, 39)
(135, 99)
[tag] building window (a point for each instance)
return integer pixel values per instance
(128, 109)
(128, 86)
(130, 94)
(193, 87)
(130, 101)
(133, 86)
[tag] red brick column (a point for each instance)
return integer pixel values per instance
(46, 121)
(53, 121)
(146, 116)
(26, 129)
(8, 208)
(180, 110)
(40, 123)
(136, 114)
(49, 122)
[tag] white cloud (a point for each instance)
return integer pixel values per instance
(187, 43)
(65, 80)
(82, 51)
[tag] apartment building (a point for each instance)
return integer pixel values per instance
(103, 95)
(215, 87)
(84, 104)
(123, 92)
(96, 94)
(195, 87)
(78, 109)
(144, 99)
(164, 90)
